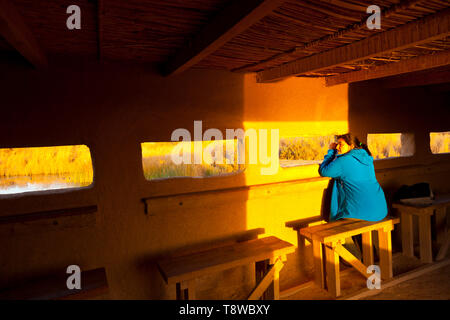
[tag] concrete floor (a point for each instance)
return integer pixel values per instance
(433, 285)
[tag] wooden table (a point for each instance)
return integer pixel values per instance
(267, 254)
(438, 207)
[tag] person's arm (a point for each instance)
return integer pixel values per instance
(329, 167)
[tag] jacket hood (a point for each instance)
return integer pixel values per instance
(361, 155)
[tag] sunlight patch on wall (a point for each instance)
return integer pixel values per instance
(293, 129)
(44, 168)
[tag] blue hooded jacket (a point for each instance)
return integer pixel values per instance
(356, 191)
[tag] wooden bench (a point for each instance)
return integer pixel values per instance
(267, 253)
(438, 207)
(327, 240)
(93, 284)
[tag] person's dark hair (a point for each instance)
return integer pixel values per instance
(353, 140)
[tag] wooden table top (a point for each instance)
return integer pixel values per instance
(440, 201)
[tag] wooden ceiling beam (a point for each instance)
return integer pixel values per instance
(424, 62)
(430, 28)
(229, 23)
(15, 31)
(307, 47)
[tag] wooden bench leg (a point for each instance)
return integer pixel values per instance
(268, 286)
(186, 290)
(407, 234)
(441, 225)
(443, 249)
(274, 292)
(180, 292)
(261, 268)
(426, 254)
(333, 280)
(384, 238)
(367, 248)
(319, 277)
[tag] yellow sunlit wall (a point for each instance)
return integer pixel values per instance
(296, 107)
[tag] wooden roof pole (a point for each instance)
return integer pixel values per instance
(424, 62)
(427, 29)
(233, 20)
(15, 31)
(338, 34)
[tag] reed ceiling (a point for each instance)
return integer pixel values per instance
(155, 31)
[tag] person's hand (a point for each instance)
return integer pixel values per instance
(332, 146)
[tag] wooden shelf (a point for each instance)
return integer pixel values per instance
(35, 222)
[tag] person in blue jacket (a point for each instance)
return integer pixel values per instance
(356, 192)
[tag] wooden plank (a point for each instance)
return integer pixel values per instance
(193, 200)
(190, 266)
(426, 254)
(345, 231)
(385, 244)
(93, 282)
(350, 258)
(407, 233)
(261, 287)
(49, 214)
(233, 20)
(424, 62)
(15, 31)
(333, 280)
(429, 28)
(42, 226)
(367, 248)
(309, 231)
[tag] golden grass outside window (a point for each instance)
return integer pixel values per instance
(44, 168)
(391, 145)
(306, 150)
(157, 159)
(440, 142)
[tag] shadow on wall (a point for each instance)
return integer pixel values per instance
(112, 110)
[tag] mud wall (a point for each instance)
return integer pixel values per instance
(113, 109)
